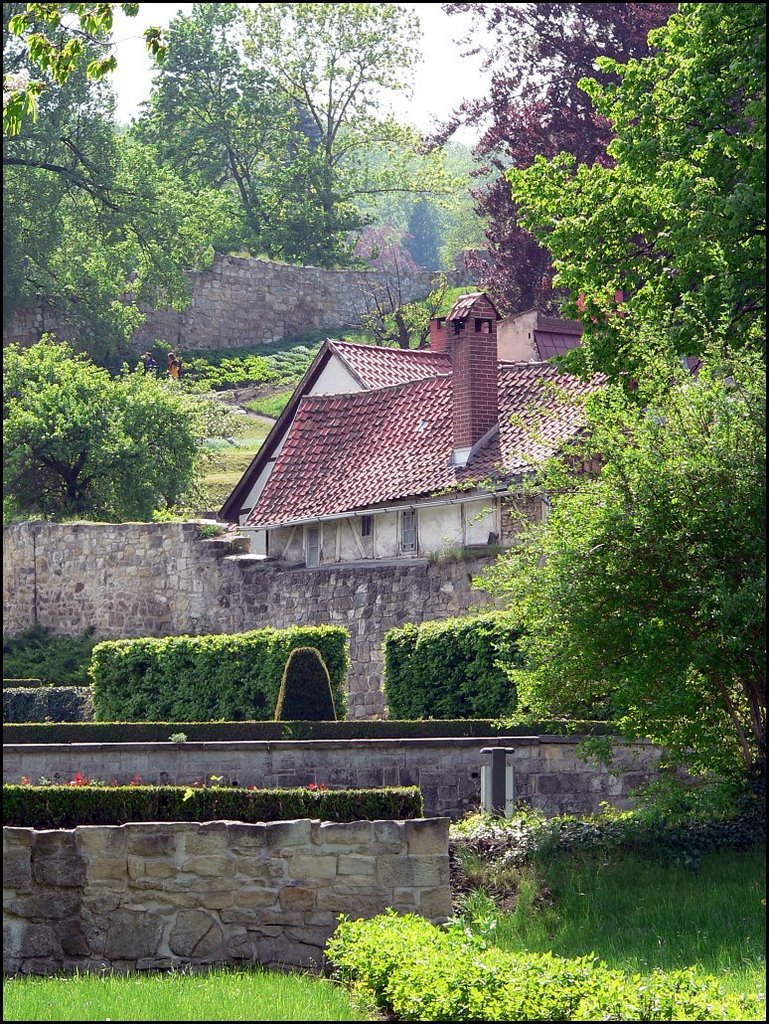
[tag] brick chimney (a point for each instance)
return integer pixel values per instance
(470, 338)
(437, 334)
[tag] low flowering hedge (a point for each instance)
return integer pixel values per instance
(417, 971)
(84, 802)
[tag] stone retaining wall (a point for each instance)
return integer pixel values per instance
(549, 774)
(244, 302)
(161, 579)
(168, 894)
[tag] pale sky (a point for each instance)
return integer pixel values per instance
(441, 82)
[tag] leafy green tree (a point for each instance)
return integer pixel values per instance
(218, 123)
(643, 595)
(336, 64)
(423, 239)
(672, 235)
(78, 442)
(92, 225)
(58, 39)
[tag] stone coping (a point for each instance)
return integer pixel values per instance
(468, 742)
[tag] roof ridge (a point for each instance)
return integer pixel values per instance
(386, 348)
(352, 395)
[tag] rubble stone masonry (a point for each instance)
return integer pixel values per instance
(242, 302)
(157, 895)
(161, 579)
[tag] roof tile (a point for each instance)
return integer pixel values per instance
(356, 451)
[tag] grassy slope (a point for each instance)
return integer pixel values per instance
(638, 915)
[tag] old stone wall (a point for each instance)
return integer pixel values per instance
(161, 895)
(243, 302)
(161, 579)
(549, 773)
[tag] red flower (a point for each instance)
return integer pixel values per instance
(136, 781)
(25, 781)
(78, 779)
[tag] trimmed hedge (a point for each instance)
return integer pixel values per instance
(48, 703)
(159, 732)
(54, 659)
(45, 807)
(305, 690)
(232, 677)
(14, 684)
(414, 970)
(451, 669)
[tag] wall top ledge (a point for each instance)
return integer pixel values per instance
(410, 743)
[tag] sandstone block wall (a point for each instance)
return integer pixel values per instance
(243, 302)
(168, 894)
(549, 773)
(161, 579)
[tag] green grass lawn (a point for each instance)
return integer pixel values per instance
(270, 405)
(638, 915)
(231, 460)
(216, 995)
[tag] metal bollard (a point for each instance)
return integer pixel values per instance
(498, 781)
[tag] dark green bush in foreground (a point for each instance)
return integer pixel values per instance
(416, 971)
(451, 669)
(305, 690)
(47, 703)
(230, 676)
(68, 806)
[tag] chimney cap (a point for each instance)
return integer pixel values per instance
(463, 306)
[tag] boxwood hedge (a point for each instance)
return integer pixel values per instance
(45, 807)
(413, 970)
(451, 669)
(228, 676)
(360, 729)
(47, 703)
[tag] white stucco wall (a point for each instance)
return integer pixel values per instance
(481, 518)
(439, 529)
(515, 338)
(335, 379)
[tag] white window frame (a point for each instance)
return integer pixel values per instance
(312, 551)
(409, 529)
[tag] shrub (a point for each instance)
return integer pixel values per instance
(529, 836)
(45, 807)
(14, 684)
(417, 971)
(47, 704)
(199, 678)
(451, 669)
(60, 660)
(305, 690)
(360, 729)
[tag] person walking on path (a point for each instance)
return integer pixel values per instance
(174, 366)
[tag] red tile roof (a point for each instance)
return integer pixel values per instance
(356, 451)
(385, 367)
